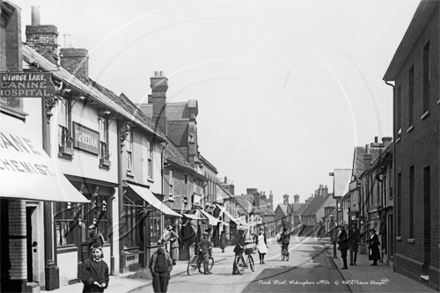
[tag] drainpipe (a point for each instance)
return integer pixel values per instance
(394, 159)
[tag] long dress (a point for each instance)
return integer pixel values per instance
(261, 246)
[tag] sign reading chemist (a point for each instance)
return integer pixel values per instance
(85, 138)
(26, 85)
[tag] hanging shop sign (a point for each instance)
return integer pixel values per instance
(26, 85)
(85, 138)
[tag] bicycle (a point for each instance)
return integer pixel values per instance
(241, 264)
(284, 254)
(196, 261)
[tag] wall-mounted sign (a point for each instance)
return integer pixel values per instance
(85, 138)
(26, 85)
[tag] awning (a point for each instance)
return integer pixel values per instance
(26, 171)
(212, 221)
(149, 197)
(237, 221)
(193, 217)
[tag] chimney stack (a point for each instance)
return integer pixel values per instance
(42, 38)
(76, 61)
(386, 141)
(286, 199)
(159, 87)
(367, 158)
(256, 199)
(271, 200)
(296, 198)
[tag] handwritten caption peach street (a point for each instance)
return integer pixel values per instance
(323, 282)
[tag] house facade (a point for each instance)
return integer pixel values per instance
(414, 72)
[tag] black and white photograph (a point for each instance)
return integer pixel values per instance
(231, 146)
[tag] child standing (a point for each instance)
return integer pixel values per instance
(94, 272)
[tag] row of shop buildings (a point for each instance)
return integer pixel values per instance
(73, 153)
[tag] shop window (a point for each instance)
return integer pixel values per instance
(65, 140)
(154, 227)
(97, 213)
(133, 219)
(67, 219)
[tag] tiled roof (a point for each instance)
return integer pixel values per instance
(314, 205)
(296, 206)
(358, 158)
(31, 56)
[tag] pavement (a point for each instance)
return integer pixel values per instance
(359, 278)
(366, 278)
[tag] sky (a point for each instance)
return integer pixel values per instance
(285, 88)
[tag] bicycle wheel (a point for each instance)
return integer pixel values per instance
(192, 265)
(251, 262)
(210, 263)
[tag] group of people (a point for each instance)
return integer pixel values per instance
(351, 242)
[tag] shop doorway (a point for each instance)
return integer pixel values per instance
(32, 245)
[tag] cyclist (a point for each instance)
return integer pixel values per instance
(285, 241)
(239, 247)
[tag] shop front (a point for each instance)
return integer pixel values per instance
(142, 225)
(29, 178)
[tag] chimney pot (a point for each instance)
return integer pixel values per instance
(67, 41)
(35, 15)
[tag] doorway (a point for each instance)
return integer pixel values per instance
(32, 257)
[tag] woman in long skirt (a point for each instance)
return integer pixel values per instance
(262, 245)
(222, 240)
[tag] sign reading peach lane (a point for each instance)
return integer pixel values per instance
(26, 85)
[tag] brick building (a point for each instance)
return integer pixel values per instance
(414, 71)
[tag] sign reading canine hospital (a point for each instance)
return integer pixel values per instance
(85, 138)
(26, 85)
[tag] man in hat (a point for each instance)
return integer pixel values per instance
(204, 248)
(343, 245)
(353, 242)
(95, 272)
(239, 247)
(95, 238)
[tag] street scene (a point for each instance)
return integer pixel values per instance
(219, 146)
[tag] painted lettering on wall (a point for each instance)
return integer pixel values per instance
(10, 148)
(26, 85)
(85, 138)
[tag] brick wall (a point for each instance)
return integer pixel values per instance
(17, 240)
(418, 147)
(44, 40)
(75, 61)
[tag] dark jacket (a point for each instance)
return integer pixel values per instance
(343, 240)
(354, 238)
(374, 247)
(92, 271)
(153, 260)
(239, 243)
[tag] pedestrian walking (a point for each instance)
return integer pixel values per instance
(169, 236)
(353, 243)
(204, 249)
(262, 245)
(343, 245)
(223, 241)
(374, 247)
(239, 247)
(94, 271)
(160, 267)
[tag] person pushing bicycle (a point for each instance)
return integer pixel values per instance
(285, 241)
(238, 249)
(204, 248)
